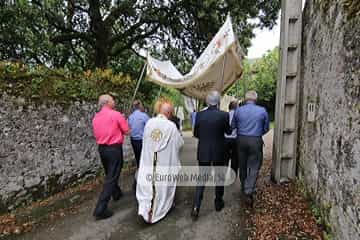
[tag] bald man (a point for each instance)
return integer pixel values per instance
(160, 154)
(109, 128)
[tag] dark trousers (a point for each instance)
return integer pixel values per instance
(137, 146)
(250, 154)
(112, 160)
(231, 153)
(199, 191)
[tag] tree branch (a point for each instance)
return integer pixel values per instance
(128, 32)
(136, 53)
(70, 36)
(78, 7)
(115, 13)
(133, 40)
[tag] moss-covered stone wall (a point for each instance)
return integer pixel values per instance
(44, 148)
(329, 148)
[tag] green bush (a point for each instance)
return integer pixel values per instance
(42, 83)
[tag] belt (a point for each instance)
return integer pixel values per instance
(135, 139)
(250, 136)
(110, 145)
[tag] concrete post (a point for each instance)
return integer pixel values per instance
(287, 97)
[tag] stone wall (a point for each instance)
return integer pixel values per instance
(45, 148)
(329, 148)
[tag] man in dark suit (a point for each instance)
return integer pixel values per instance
(210, 127)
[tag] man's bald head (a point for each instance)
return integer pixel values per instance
(166, 109)
(106, 100)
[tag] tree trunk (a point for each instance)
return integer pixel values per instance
(101, 33)
(101, 55)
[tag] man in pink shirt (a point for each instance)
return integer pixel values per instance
(109, 128)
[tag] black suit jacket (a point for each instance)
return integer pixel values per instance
(210, 127)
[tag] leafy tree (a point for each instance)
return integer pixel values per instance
(265, 72)
(260, 76)
(238, 90)
(99, 33)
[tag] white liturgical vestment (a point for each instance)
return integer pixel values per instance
(161, 145)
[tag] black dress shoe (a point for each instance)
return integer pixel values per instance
(219, 205)
(249, 200)
(104, 215)
(116, 197)
(195, 214)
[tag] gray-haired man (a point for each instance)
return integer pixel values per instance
(210, 126)
(109, 128)
(251, 122)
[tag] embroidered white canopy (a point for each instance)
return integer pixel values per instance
(218, 67)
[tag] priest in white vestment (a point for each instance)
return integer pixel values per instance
(160, 154)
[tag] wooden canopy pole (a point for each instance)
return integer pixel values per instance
(137, 86)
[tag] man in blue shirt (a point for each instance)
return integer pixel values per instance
(137, 121)
(251, 123)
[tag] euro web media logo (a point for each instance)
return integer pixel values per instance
(186, 176)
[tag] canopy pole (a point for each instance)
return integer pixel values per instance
(222, 74)
(159, 94)
(237, 89)
(138, 85)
